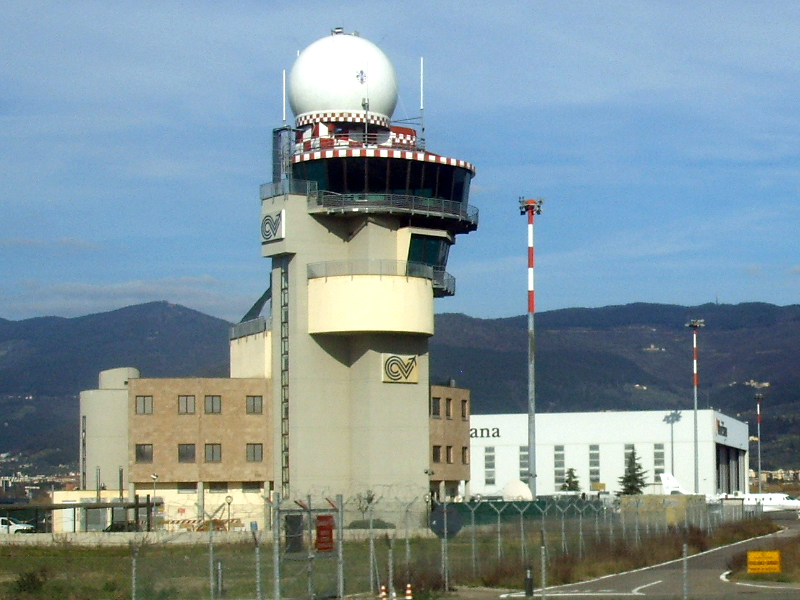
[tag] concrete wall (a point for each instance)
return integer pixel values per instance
(611, 431)
(105, 411)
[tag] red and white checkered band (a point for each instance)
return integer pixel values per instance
(382, 153)
(342, 117)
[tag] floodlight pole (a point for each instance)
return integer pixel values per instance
(695, 324)
(531, 208)
(759, 398)
(671, 419)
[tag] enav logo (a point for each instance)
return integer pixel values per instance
(399, 369)
(273, 227)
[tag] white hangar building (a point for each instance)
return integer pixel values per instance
(596, 445)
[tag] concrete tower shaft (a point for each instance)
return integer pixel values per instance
(359, 224)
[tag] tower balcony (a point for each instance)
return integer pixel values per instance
(442, 282)
(459, 216)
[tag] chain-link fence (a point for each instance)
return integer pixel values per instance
(326, 547)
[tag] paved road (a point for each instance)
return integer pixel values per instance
(665, 582)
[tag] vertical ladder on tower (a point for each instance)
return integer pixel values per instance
(284, 318)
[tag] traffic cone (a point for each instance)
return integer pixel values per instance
(408, 592)
(382, 595)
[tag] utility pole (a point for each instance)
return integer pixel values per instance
(759, 398)
(695, 324)
(531, 208)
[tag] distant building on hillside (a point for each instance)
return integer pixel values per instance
(596, 446)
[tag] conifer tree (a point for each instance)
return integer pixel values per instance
(571, 483)
(632, 482)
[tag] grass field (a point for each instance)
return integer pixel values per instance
(167, 571)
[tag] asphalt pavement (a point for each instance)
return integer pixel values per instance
(705, 578)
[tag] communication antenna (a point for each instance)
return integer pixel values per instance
(422, 95)
(284, 96)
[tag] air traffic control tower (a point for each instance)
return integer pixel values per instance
(358, 221)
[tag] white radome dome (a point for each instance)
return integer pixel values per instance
(337, 73)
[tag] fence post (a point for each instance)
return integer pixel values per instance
(543, 561)
(276, 549)
(133, 571)
(340, 545)
(685, 572)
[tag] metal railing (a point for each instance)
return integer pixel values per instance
(443, 283)
(379, 139)
(331, 202)
(300, 187)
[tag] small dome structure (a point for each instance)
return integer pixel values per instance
(516, 490)
(342, 73)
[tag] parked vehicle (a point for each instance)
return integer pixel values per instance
(12, 525)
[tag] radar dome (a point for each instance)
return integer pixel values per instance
(339, 73)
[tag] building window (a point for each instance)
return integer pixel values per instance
(436, 407)
(464, 455)
(628, 450)
(254, 405)
(144, 405)
(213, 404)
(185, 405)
(448, 408)
(213, 452)
(524, 463)
(218, 487)
(658, 460)
(255, 452)
(465, 410)
(187, 487)
(488, 465)
(558, 466)
(186, 453)
(251, 487)
(594, 463)
(437, 454)
(449, 455)
(144, 453)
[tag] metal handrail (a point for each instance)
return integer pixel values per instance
(355, 139)
(300, 187)
(325, 201)
(400, 268)
(443, 283)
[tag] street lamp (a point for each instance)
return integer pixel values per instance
(531, 208)
(695, 324)
(671, 419)
(154, 477)
(759, 398)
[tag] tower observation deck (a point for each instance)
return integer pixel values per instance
(358, 219)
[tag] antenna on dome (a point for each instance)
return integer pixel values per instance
(422, 95)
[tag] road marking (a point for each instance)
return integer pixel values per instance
(641, 587)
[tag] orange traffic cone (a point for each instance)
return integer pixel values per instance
(408, 592)
(382, 595)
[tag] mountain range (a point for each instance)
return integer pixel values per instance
(631, 357)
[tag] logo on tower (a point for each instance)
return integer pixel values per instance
(399, 369)
(273, 227)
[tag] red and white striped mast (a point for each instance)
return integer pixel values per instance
(531, 207)
(759, 398)
(695, 324)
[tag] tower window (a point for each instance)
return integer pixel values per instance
(144, 405)
(213, 404)
(144, 453)
(185, 405)
(255, 452)
(186, 453)
(213, 452)
(254, 405)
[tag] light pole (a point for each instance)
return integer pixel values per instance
(671, 419)
(759, 398)
(531, 208)
(695, 324)
(154, 477)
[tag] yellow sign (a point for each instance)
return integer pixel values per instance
(399, 368)
(763, 561)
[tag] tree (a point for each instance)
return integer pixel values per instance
(632, 482)
(571, 483)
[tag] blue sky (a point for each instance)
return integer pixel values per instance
(664, 137)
